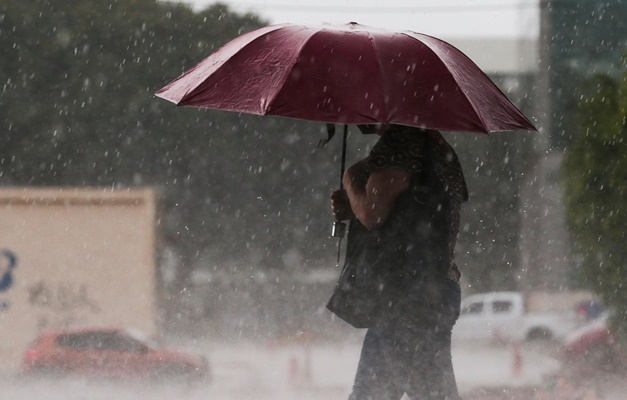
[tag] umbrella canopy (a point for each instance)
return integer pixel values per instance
(348, 74)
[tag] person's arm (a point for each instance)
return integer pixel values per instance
(372, 200)
(340, 205)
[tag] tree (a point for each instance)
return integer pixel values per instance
(595, 188)
(587, 38)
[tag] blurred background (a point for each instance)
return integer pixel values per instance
(118, 208)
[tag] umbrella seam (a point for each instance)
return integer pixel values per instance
(276, 94)
(374, 49)
(195, 91)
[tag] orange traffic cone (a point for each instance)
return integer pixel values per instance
(516, 360)
(293, 372)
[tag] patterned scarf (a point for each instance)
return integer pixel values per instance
(406, 148)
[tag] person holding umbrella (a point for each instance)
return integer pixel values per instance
(399, 278)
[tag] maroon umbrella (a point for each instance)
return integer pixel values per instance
(349, 74)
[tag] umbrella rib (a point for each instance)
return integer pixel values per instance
(374, 48)
(287, 75)
(195, 89)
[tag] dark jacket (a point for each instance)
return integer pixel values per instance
(401, 270)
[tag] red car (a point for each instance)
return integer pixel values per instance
(593, 346)
(592, 338)
(108, 353)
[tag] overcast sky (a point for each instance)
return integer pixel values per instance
(447, 18)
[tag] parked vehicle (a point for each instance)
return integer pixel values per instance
(592, 350)
(108, 353)
(505, 316)
(590, 340)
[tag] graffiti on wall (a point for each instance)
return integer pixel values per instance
(8, 262)
(62, 304)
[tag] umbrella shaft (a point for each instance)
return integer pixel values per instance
(344, 139)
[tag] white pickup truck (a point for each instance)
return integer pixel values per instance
(507, 316)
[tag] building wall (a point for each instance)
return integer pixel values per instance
(75, 257)
(500, 56)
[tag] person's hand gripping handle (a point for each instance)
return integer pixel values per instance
(341, 209)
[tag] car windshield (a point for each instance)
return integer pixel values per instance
(472, 308)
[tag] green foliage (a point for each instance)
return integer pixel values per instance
(587, 38)
(595, 187)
